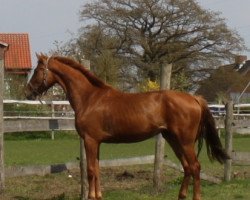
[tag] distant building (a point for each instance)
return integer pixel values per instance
(17, 63)
(3, 47)
(17, 59)
(242, 91)
(228, 81)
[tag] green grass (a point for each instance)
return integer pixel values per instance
(30, 149)
(60, 187)
(40, 152)
(234, 190)
(38, 148)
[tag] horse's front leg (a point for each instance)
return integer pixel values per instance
(92, 156)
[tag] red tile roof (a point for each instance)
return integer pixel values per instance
(18, 56)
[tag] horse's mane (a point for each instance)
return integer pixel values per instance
(92, 78)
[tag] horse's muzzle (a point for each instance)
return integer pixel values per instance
(29, 94)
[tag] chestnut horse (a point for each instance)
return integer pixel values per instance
(104, 114)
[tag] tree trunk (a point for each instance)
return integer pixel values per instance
(160, 141)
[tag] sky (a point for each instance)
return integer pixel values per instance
(48, 21)
(45, 20)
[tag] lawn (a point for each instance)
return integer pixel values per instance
(29, 149)
(115, 186)
(40, 149)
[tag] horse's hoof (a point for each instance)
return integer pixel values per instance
(182, 197)
(99, 196)
(91, 198)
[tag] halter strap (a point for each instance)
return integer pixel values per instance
(45, 73)
(47, 62)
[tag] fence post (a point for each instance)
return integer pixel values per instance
(83, 170)
(3, 48)
(228, 140)
(52, 116)
(166, 70)
(83, 164)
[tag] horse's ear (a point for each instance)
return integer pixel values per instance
(43, 55)
(37, 56)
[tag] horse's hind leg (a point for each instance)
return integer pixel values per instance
(185, 182)
(174, 143)
(187, 174)
(194, 167)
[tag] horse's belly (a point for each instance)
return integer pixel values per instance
(130, 136)
(134, 127)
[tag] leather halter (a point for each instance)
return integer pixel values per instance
(45, 72)
(45, 75)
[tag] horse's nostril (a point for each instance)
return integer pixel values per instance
(31, 97)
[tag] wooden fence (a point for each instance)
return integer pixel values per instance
(232, 123)
(15, 171)
(234, 119)
(51, 120)
(58, 118)
(62, 120)
(55, 120)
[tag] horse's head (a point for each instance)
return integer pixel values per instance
(41, 79)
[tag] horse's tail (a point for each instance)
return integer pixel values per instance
(208, 131)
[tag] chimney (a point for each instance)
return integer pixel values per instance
(240, 59)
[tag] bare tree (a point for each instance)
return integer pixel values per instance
(150, 32)
(97, 47)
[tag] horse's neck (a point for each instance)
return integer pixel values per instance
(75, 84)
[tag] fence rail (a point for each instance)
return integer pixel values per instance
(53, 108)
(16, 171)
(57, 119)
(60, 116)
(218, 110)
(32, 124)
(35, 102)
(241, 158)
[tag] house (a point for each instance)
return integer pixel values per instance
(229, 81)
(3, 47)
(17, 62)
(17, 59)
(241, 92)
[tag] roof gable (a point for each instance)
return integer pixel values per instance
(18, 56)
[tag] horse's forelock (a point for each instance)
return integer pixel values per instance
(41, 57)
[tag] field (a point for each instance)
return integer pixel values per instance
(118, 183)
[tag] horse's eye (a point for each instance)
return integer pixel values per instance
(39, 62)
